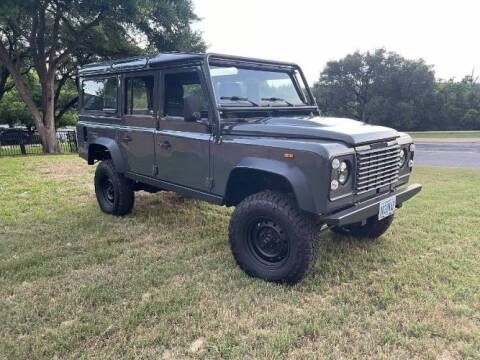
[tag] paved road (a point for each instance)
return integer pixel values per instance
(451, 154)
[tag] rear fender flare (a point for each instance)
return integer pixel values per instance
(115, 153)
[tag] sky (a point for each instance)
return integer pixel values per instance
(445, 34)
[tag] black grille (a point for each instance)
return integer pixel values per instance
(377, 168)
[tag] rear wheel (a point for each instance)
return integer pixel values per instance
(114, 191)
(372, 229)
(272, 239)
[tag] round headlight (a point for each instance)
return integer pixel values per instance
(402, 157)
(335, 163)
(343, 173)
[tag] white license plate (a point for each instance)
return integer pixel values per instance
(387, 207)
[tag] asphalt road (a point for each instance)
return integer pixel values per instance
(453, 154)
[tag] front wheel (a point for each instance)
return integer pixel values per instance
(272, 239)
(114, 191)
(373, 228)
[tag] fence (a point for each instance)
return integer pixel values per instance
(23, 142)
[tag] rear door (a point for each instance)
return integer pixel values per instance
(137, 135)
(183, 147)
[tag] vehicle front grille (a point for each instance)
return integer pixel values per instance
(377, 168)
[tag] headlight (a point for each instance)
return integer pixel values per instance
(343, 173)
(335, 164)
(402, 158)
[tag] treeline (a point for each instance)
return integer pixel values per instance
(384, 88)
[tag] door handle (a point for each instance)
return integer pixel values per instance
(166, 144)
(126, 139)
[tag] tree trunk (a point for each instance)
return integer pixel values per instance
(48, 99)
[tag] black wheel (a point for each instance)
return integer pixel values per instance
(272, 239)
(373, 228)
(114, 192)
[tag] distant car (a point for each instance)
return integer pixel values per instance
(241, 132)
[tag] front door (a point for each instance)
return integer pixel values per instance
(183, 147)
(137, 135)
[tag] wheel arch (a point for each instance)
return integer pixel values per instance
(253, 175)
(105, 148)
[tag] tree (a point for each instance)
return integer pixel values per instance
(458, 103)
(380, 88)
(57, 33)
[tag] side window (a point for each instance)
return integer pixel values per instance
(178, 87)
(139, 95)
(100, 95)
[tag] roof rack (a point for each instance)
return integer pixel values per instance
(142, 62)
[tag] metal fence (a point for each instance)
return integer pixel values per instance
(23, 142)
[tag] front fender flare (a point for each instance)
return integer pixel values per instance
(292, 174)
(115, 153)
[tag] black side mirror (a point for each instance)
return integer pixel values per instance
(192, 108)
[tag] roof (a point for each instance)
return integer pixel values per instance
(147, 61)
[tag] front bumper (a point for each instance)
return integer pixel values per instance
(366, 209)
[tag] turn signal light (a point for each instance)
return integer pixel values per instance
(288, 156)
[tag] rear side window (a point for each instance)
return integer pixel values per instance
(139, 95)
(178, 87)
(100, 95)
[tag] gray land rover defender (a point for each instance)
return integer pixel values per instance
(247, 133)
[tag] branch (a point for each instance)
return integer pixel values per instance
(65, 109)
(61, 82)
(56, 27)
(72, 29)
(22, 89)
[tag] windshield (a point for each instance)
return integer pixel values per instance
(235, 86)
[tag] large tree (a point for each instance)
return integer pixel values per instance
(378, 87)
(58, 33)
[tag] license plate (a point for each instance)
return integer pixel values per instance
(387, 207)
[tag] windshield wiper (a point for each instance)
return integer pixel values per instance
(273, 99)
(238, 98)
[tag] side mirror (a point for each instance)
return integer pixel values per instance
(192, 108)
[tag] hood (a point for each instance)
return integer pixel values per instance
(348, 131)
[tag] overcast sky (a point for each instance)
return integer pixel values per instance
(444, 33)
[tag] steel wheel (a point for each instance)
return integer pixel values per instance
(267, 241)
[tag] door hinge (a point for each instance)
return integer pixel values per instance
(209, 182)
(155, 170)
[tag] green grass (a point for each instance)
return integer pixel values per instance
(445, 134)
(76, 283)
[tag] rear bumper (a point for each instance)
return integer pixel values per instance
(369, 208)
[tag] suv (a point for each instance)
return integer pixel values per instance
(247, 133)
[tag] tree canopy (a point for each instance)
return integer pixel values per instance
(56, 36)
(385, 88)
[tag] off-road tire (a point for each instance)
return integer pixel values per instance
(276, 213)
(115, 193)
(373, 229)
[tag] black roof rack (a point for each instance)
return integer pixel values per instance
(141, 62)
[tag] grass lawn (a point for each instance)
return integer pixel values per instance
(445, 134)
(76, 283)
